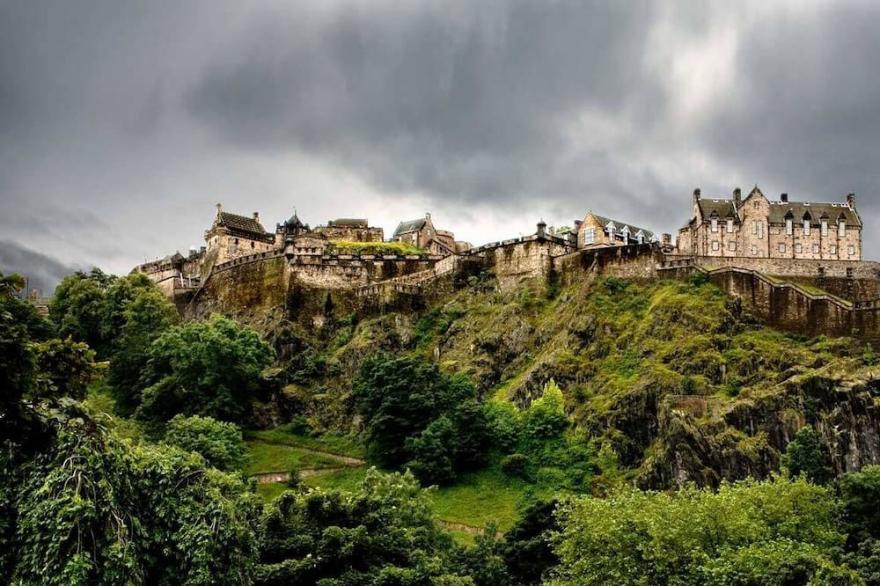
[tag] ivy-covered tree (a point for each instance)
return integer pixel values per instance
(64, 369)
(381, 533)
(209, 368)
(806, 455)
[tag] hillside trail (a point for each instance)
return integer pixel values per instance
(284, 475)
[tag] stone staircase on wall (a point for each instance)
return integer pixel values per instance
(410, 284)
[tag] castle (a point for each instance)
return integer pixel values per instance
(796, 264)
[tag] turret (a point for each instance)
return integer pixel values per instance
(542, 228)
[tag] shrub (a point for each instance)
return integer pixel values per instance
(219, 443)
(515, 465)
(806, 455)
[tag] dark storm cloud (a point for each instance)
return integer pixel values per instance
(122, 123)
(461, 102)
(43, 272)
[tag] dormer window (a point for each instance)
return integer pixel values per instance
(806, 224)
(730, 226)
(789, 226)
(841, 228)
(714, 224)
(824, 228)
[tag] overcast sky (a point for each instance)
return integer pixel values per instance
(123, 122)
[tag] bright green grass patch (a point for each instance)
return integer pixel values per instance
(270, 457)
(342, 445)
(482, 497)
(271, 491)
(351, 247)
(347, 479)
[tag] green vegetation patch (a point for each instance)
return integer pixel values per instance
(352, 247)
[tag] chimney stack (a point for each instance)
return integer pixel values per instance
(783, 198)
(257, 216)
(666, 239)
(697, 194)
(542, 226)
(737, 196)
(851, 200)
(219, 208)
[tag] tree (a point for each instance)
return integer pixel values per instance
(860, 493)
(96, 510)
(527, 547)
(207, 368)
(417, 416)
(77, 308)
(778, 531)
(806, 455)
(219, 443)
(146, 316)
(381, 533)
(64, 368)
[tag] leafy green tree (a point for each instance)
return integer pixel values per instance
(805, 454)
(219, 443)
(77, 308)
(527, 548)
(778, 531)
(64, 368)
(381, 533)
(860, 495)
(146, 316)
(207, 368)
(416, 416)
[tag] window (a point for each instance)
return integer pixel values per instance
(252, 244)
(841, 228)
(730, 226)
(716, 245)
(731, 246)
(589, 236)
(782, 247)
(714, 225)
(806, 227)
(815, 249)
(832, 249)
(852, 250)
(755, 227)
(798, 248)
(789, 226)
(754, 250)
(824, 228)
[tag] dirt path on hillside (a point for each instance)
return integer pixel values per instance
(464, 528)
(275, 477)
(342, 459)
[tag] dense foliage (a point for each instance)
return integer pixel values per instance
(210, 368)
(776, 532)
(382, 533)
(218, 442)
(419, 417)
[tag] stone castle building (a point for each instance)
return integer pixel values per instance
(351, 229)
(755, 227)
(595, 230)
(421, 233)
(232, 236)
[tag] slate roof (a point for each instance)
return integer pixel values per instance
(410, 226)
(294, 221)
(723, 207)
(833, 211)
(241, 224)
(633, 230)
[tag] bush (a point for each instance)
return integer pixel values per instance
(219, 443)
(515, 465)
(806, 455)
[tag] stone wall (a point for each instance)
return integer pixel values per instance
(240, 287)
(783, 267)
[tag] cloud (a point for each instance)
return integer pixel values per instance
(43, 272)
(121, 124)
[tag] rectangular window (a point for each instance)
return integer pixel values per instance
(589, 236)
(832, 249)
(731, 246)
(714, 225)
(782, 247)
(789, 227)
(715, 245)
(755, 227)
(815, 249)
(852, 250)
(841, 229)
(824, 228)
(730, 226)
(798, 248)
(806, 227)
(754, 250)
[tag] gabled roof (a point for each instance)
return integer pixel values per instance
(410, 226)
(294, 222)
(724, 209)
(240, 224)
(798, 209)
(634, 230)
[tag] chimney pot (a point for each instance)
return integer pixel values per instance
(784, 197)
(851, 199)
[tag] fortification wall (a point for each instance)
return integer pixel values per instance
(243, 286)
(634, 261)
(782, 267)
(513, 261)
